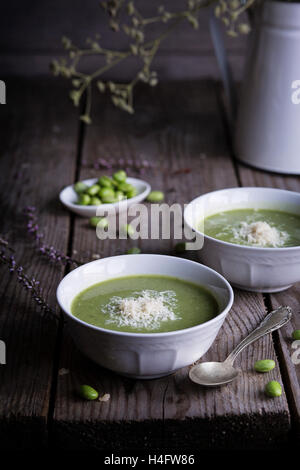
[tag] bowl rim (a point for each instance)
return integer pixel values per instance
(221, 314)
(108, 206)
(236, 245)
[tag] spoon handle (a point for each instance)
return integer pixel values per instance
(273, 321)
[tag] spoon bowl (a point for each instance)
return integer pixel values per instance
(212, 374)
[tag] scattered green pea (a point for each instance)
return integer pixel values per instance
(84, 199)
(296, 334)
(80, 187)
(93, 190)
(135, 250)
(180, 247)
(120, 176)
(95, 201)
(88, 393)
(128, 229)
(105, 182)
(103, 223)
(264, 365)
(273, 389)
(155, 196)
(98, 221)
(106, 192)
(94, 221)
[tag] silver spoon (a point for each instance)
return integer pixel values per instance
(212, 374)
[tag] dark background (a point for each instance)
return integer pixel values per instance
(31, 31)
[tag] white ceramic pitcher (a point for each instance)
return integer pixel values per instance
(267, 134)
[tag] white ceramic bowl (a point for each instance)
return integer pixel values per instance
(142, 355)
(68, 197)
(250, 268)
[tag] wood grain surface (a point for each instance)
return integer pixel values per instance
(286, 348)
(175, 131)
(37, 160)
(178, 129)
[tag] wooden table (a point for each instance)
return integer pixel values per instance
(181, 128)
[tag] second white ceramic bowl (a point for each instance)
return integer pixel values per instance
(142, 355)
(247, 267)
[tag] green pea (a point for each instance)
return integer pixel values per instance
(131, 193)
(98, 222)
(106, 192)
(105, 182)
(135, 250)
(80, 187)
(88, 393)
(128, 229)
(155, 196)
(95, 201)
(94, 221)
(120, 176)
(273, 389)
(93, 190)
(180, 247)
(84, 200)
(296, 334)
(119, 195)
(264, 365)
(103, 223)
(125, 187)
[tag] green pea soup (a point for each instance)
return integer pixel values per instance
(225, 225)
(184, 303)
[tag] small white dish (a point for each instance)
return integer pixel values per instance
(251, 268)
(143, 355)
(68, 197)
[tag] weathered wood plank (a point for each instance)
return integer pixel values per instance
(176, 127)
(289, 352)
(291, 371)
(38, 146)
(169, 66)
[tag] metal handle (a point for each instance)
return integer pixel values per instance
(273, 321)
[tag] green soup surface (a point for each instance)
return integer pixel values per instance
(166, 303)
(234, 227)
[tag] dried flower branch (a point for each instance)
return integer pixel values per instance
(48, 250)
(230, 11)
(125, 17)
(29, 283)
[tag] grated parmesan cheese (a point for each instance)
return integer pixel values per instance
(105, 397)
(261, 234)
(145, 309)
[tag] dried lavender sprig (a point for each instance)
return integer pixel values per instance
(103, 163)
(48, 250)
(30, 284)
